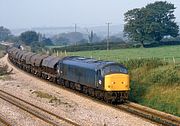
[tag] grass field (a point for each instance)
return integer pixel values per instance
(156, 83)
(167, 53)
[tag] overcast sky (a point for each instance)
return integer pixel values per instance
(59, 13)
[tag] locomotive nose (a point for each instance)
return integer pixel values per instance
(117, 82)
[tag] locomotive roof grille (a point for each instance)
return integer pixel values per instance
(89, 62)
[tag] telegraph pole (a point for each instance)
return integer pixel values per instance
(75, 27)
(75, 30)
(108, 23)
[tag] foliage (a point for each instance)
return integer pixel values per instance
(92, 37)
(151, 23)
(47, 42)
(4, 70)
(155, 82)
(168, 76)
(148, 63)
(4, 33)
(156, 87)
(60, 40)
(36, 46)
(29, 36)
(114, 39)
(93, 46)
(67, 38)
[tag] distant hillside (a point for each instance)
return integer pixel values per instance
(101, 31)
(51, 31)
(67, 38)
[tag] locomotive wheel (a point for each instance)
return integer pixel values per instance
(92, 92)
(99, 95)
(107, 97)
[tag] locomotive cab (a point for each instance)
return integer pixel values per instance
(115, 78)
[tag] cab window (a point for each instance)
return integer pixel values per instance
(114, 69)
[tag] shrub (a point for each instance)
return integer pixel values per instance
(165, 76)
(147, 63)
(137, 92)
(4, 70)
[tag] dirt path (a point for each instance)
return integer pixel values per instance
(60, 101)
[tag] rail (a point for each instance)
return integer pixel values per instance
(150, 114)
(41, 113)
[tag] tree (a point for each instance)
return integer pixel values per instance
(151, 23)
(29, 36)
(36, 46)
(47, 42)
(4, 33)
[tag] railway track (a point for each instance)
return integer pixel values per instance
(150, 114)
(38, 112)
(133, 108)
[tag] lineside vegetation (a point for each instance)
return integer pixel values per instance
(155, 77)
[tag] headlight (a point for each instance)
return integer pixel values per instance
(100, 82)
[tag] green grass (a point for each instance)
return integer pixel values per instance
(157, 87)
(166, 52)
(155, 79)
(50, 47)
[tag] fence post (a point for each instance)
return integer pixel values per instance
(57, 53)
(174, 61)
(65, 53)
(47, 52)
(164, 59)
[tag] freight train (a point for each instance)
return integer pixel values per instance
(105, 80)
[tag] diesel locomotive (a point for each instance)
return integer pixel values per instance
(105, 80)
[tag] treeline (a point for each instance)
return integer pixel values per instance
(112, 45)
(93, 46)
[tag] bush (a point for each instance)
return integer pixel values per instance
(165, 76)
(94, 46)
(148, 63)
(4, 70)
(137, 91)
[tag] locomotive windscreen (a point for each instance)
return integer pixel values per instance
(113, 69)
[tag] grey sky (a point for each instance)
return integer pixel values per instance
(57, 13)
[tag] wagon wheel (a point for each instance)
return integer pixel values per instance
(72, 86)
(66, 84)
